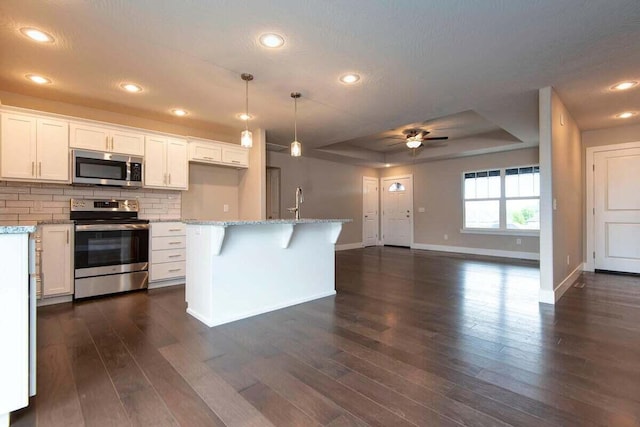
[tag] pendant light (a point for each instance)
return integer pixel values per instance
(296, 147)
(246, 138)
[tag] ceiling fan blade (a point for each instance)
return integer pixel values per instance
(394, 137)
(436, 138)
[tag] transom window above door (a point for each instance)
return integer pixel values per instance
(396, 186)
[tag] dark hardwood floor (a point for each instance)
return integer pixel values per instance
(412, 338)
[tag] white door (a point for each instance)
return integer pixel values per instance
(53, 150)
(18, 146)
(177, 164)
(370, 211)
(617, 210)
(397, 210)
(155, 160)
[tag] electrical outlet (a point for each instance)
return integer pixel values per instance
(37, 206)
(518, 241)
(446, 237)
(225, 207)
(421, 210)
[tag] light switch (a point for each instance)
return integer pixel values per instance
(421, 210)
(555, 204)
(225, 208)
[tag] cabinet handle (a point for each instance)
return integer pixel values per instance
(111, 143)
(175, 229)
(67, 237)
(174, 243)
(174, 256)
(39, 168)
(106, 140)
(207, 158)
(33, 168)
(173, 270)
(235, 161)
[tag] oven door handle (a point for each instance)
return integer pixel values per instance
(111, 227)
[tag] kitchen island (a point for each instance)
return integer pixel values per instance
(238, 269)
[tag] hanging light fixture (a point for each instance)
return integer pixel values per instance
(296, 147)
(246, 138)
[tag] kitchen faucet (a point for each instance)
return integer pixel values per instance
(299, 200)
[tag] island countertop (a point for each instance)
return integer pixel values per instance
(17, 229)
(266, 221)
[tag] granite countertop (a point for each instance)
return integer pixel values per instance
(17, 229)
(56, 221)
(265, 221)
(165, 220)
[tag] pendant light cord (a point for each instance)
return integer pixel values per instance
(246, 122)
(295, 119)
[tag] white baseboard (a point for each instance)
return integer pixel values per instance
(477, 251)
(347, 246)
(54, 300)
(547, 296)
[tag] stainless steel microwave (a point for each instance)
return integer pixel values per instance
(120, 170)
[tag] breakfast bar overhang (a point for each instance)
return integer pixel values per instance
(238, 269)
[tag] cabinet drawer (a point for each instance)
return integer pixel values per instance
(171, 242)
(169, 255)
(233, 156)
(159, 229)
(169, 270)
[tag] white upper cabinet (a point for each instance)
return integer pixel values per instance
(218, 153)
(166, 163)
(34, 148)
(104, 138)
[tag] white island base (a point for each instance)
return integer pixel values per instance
(239, 269)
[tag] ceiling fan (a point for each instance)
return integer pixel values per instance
(415, 138)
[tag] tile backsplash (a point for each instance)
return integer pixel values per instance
(28, 203)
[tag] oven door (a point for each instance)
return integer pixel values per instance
(102, 249)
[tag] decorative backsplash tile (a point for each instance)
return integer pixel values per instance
(27, 203)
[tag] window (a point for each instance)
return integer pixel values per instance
(396, 186)
(502, 199)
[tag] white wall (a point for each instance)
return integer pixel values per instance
(331, 190)
(438, 188)
(562, 199)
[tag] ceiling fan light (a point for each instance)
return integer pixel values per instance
(296, 149)
(413, 143)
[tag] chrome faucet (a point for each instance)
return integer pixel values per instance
(299, 200)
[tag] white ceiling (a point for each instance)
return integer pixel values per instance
(472, 65)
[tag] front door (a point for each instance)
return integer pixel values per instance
(617, 210)
(369, 211)
(397, 210)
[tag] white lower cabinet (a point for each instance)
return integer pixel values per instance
(56, 259)
(167, 253)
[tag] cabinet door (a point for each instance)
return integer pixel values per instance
(53, 150)
(177, 164)
(18, 149)
(89, 137)
(205, 152)
(125, 142)
(155, 160)
(235, 156)
(56, 260)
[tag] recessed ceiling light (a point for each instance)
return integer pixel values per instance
(37, 35)
(271, 40)
(131, 87)
(38, 79)
(349, 78)
(624, 85)
(179, 112)
(626, 114)
(244, 116)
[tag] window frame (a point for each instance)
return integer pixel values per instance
(502, 229)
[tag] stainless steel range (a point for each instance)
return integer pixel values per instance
(111, 247)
